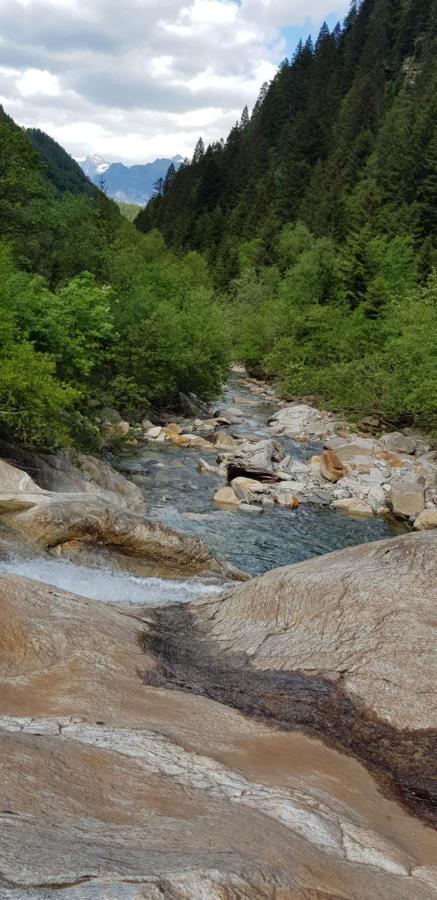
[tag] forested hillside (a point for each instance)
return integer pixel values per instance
(91, 311)
(318, 216)
(60, 168)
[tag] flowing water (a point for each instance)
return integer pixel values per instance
(177, 494)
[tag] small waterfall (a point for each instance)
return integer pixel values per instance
(104, 584)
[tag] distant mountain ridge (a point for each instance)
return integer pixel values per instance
(127, 184)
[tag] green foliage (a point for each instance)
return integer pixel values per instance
(370, 348)
(90, 309)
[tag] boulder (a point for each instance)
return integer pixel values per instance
(331, 466)
(354, 507)
(222, 440)
(154, 432)
(285, 494)
(426, 519)
(349, 449)
(54, 519)
(172, 429)
(254, 459)
(226, 498)
(192, 440)
(248, 489)
(396, 442)
(371, 424)
(206, 468)
(407, 498)
(120, 429)
(15, 481)
(250, 508)
(192, 406)
(297, 418)
(343, 644)
(377, 497)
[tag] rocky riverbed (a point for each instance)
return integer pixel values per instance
(188, 731)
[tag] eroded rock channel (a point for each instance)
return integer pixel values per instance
(340, 686)
(274, 737)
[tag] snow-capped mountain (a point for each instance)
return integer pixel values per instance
(129, 184)
(93, 165)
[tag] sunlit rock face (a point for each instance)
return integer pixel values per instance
(123, 777)
(343, 646)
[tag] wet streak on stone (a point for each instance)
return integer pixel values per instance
(404, 761)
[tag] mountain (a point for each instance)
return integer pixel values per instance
(127, 184)
(93, 165)
(60, 168)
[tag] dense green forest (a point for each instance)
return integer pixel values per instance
(318, 217)
(305, 246)
(91, 311)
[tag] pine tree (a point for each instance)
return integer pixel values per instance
(199, 151)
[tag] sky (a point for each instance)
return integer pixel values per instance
(133, 80)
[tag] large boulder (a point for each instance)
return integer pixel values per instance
(407, 498)
(63, 471)
(56, 519)
(343, 645)
(254, 459)
(299, 419)
(114, 788)
(426, 519)
(396, 442)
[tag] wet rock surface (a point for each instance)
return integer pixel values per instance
(60, 520)
(115, 788)
(341, 646)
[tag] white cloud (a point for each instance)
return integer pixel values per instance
(38, 81)
(142, 78)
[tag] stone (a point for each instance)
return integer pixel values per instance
(172, 429)
(193, 440)
(191, 406)
(248, 489)
(222, 440)
(226, 498)
(154, 432)
(181, 440)
(110, 416)
(370, 423)
(354, 507)
(250, 508)
(15, 481)
(331, 466)
(377, 497)
(206, 468)
(285, 494)
(267, 501)
(426, 519)
(297, 419)
(396, 442)
(120, 429)
(407, 498)
(253, 459)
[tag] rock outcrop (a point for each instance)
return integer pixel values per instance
(56, 519)
(342, 645)
(114, 788)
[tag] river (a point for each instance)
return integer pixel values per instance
(178, 494)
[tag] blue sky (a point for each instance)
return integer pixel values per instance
(294, 33)
(140, 79)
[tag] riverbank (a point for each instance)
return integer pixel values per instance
(261, 455)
